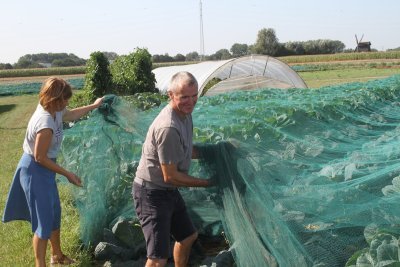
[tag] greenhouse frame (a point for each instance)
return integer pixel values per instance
(244, 73)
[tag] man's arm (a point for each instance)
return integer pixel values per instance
(195, 153)
(173, 176)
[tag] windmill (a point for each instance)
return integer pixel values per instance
(362, 46)
(358, 43)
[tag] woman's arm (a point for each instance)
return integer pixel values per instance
(77, 113)
(42, 144)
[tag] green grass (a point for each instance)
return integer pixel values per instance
(316, 79)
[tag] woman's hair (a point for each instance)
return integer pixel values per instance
(54, 90)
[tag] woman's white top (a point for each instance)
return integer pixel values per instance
(42, 119)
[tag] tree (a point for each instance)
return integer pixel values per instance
(98, 76)
(179, 58)
(239, 50)
(192, 56)
(111, 56)
(162, 58)
(25, 63)
(294, 48)
(267, 42)
(5, 66)
(59, 59)
(221, 55)
(68, 62)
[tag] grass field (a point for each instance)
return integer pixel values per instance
(15, 111)
(316, 79)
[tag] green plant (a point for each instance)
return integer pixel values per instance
(210, 84)
(147, 100)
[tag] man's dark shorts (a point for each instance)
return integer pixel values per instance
(162, 214)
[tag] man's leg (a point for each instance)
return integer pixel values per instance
(182, 250)
(156, 262)
(154, 210)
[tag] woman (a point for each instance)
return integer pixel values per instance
(33, 194)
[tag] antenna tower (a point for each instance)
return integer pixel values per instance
(201, 34)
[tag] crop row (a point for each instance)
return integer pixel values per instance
(341, 57)
(33, 87)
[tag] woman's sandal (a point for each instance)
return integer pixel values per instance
(64, 260)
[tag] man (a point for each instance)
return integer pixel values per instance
(164, 166)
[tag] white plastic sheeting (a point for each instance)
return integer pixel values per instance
(249, 72)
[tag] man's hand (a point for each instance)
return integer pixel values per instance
(213, 181)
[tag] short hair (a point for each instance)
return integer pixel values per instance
(180, 79)
(54, 90)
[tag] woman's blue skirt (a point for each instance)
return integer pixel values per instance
(34, 197)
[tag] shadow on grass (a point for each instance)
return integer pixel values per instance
(5, 108)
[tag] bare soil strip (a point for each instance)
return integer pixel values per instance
(17, 80)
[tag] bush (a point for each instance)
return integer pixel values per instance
(132, 74)
(98, 80)
(80, 98)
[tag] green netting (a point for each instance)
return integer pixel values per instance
(304, 177)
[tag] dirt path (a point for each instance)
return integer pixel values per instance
(17, 80)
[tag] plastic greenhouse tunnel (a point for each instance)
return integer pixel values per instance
(304, 177)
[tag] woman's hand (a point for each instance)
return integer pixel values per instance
(97, 103)
(74, 179)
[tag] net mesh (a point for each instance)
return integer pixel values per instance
(303, 177)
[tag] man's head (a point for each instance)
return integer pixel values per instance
(183, 92)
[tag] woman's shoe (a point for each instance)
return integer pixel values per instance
(64, 260)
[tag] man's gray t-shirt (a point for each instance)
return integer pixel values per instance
(168, 141)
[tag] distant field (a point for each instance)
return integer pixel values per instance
(315, 74)
(291, 60)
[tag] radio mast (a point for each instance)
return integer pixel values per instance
(201, 34)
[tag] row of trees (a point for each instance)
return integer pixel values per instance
(44, 60)
(266, 44)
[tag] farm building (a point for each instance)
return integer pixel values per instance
(244, 73)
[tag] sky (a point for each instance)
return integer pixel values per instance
(81, 27)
